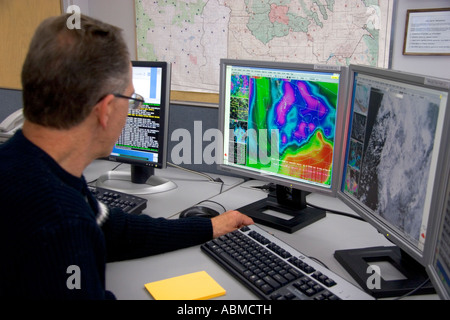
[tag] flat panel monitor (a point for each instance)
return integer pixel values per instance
(397, 132)
(282, 123)
(439, 267)
(143, 142)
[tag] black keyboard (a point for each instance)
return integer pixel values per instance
(275, 271)
(115, 199)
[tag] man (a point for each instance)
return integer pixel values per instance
(74, 83)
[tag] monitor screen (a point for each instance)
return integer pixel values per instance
(142, 139)
(143, 142)
(282, 122)
(396, 132)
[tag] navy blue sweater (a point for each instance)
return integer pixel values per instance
(48, 224)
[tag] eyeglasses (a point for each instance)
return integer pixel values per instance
(134, 102)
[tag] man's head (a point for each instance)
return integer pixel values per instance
(68, 71)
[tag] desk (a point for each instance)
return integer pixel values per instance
(191, 188)
(126, 279)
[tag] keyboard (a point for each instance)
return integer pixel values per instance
(275, 271)
(114, 199)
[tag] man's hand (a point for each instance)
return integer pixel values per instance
(229, 221)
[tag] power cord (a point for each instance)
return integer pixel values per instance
(414, 290)
(90, 182)
(199, 173)
(345, 214)
(212, 201)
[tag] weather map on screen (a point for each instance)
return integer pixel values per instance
(283, 122)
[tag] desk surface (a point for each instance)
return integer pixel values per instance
(126, 279)
(191, 188)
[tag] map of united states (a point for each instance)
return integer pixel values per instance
(194, 35)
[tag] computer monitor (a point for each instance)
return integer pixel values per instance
(439, 266)
(397, 132)
(282, 123)
(143, 142)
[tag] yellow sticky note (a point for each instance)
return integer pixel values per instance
(192, 286)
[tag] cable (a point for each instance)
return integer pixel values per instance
(199, 173)
(193, 171)
(319, 262)
(413, 291)
(337, 212)
(267, 187)
(270, 187)
(90, 182)
(219, 204)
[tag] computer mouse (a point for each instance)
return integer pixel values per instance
(199, 211)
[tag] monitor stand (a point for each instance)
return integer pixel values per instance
(286, 210)
(141, 180)
(358, 261)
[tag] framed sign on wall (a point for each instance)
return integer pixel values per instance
(427, 32)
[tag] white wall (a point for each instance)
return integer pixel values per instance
(437, 66)
(121, 13)
(117, 12)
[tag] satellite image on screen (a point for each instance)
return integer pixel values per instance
(389, 161)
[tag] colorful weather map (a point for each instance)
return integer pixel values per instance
(290, 124)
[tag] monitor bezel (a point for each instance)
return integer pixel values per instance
(436, 230)
(164, 125)
(392, 234)
(341, 70)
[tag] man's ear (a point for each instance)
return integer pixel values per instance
(104, 108)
